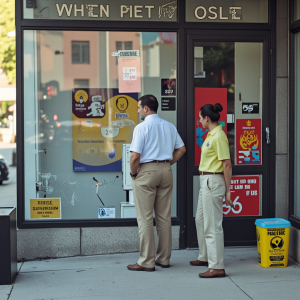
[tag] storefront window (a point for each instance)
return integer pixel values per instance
(297, 10)
(297, 125)
(80, 109)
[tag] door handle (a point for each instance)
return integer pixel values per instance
(268, 135)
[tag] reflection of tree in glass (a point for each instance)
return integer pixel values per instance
(219, 57)
(218, 64)
(7, 45)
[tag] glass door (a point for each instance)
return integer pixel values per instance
(232, 71)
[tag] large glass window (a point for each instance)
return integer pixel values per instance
(80, 109)
(297, 125)
(219, 76)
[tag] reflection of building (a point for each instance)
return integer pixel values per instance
(84, 52)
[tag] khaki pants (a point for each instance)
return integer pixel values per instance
(152, 189)
(209, 218)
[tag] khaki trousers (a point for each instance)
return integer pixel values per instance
(209, 217)
(152, 189)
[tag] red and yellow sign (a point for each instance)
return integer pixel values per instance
(45, 208)
(245, 195)
(248, 142)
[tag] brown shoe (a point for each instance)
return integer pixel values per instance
(198, 263)
(212, 273)
(137, 267)
(160, 265)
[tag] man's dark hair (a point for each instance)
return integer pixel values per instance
(150, 101)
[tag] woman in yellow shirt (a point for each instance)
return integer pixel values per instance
(215, 177)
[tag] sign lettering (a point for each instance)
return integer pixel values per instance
(245, 195)
(161, 12)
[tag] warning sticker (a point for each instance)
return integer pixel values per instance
(276, 243)
(45, 208)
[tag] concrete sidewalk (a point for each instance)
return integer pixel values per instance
(106, 277)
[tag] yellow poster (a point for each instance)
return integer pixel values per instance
(103, 120)
(45, 208)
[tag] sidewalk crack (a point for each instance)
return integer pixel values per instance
(13, 284)
(239, 288)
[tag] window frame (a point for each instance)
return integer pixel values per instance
(294, 28)
(81, 44)
(182, 29)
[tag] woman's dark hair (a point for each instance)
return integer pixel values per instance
(150, 101)
(211, 111)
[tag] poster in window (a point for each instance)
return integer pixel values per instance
(129, 75)
(168, 87)
(208, 96)
(103, 120)
(248, 142)
(245, 195)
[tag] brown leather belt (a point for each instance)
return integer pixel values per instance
(155, 161)
(209, 173)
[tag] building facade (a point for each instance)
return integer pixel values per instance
(81, 68)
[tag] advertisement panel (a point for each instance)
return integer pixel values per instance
(208, 96)
(245, 195)
(103, 120)
(248, 142)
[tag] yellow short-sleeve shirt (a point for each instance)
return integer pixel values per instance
(214, 149)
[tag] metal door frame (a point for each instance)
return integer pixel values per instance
(267, 169)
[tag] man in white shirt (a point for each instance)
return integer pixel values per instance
(156, 145)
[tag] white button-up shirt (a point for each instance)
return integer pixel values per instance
(155, 139)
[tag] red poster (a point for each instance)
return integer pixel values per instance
(248, 141)
(208, 96)
(245, 192)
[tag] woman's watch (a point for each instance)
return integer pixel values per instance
(133, 175)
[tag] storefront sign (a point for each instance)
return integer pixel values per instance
(245, 195)
(45, 208)
(248, 142)
(129, 75)
(168, 103)
(227, 11)
(103, 120)
(208, 96)
(214, 13)
(117, 10)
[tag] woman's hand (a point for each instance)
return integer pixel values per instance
(228, 199)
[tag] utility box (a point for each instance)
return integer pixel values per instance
(8, 248)
(272, 242)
